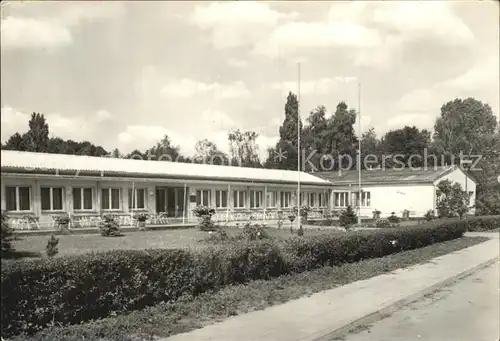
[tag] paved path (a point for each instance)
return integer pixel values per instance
(311, 318)
(467, 310)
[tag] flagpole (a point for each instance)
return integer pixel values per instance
(298, 145)
(359, 152)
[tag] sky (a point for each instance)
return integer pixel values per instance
(123, 74)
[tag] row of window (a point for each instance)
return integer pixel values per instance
(18, 198)
(256, 199)
(341, 199)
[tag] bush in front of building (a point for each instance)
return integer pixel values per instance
(109, 227)
(70, 290)
(7, 234)
(429, 215)
(205, 214)
(347, 218)
(383, 223)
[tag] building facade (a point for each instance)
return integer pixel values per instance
(38, 187)
(396, 190)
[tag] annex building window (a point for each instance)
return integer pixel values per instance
(137, 200)
(110, 199)
(18, 198)
(221, 199)
(239, 199)
(82, 199)
(52, 198)
(203, 197)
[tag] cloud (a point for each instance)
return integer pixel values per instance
(54, 30)
(237, 64)
(422, 120)
(321, 86)
(103, 115)
(75, 128)
(422, 20)
(186, 88)
(233, 24)
(27, 32)
(294, 36)
(218, 118)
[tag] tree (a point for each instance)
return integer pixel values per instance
(340, 139)
(370, 145)
(38, 134)
(313, 137)
(116, 154)
(451, 200)
(465, 125)
(164, 150)
(16, 142)
(347, 217)
(207, 152)
(410, 143)
(243, 148)
(284, 154)
(468, 126)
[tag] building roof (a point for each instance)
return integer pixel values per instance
(376, 176)
(17, 161)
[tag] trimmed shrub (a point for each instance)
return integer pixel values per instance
(70, 290)
(204, 214)
(347, 217)
(109, 227)
(6, 235)
(383, 224)
(393, 219)
(484, 223)
(51, 248)
(429, 215)
(254, 232)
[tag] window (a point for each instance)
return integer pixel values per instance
(137, 201)
(365, 199)
(220, 199)
(341, 199)
(271, 199)
(203, 197)
(323, 199)
(312, 200)
(239, 199)
(110, 199)
(255, 199)
(17, 198)
(52, 198)
(286, 198)
(82, 199)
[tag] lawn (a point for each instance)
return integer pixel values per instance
(189, 313)
(175, 238)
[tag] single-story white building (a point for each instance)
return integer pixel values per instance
(395, 190)
(41, 186)
(38, 187)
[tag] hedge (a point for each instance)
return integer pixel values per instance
(71, 290)
(483, 223)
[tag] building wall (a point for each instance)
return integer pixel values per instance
(417, 198)
(45, 217)
(466, 182)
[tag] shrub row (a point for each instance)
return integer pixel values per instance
(79, 288)
(483, 223)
